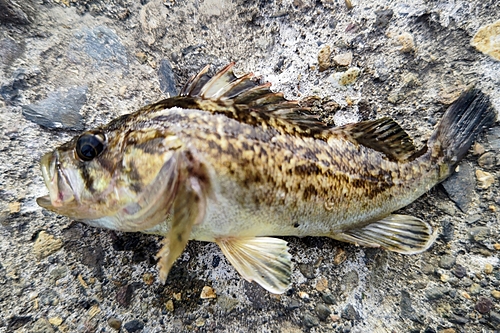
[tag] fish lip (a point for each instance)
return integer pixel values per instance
(57, 182)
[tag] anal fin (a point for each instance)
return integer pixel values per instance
(264, 260)
(399, 233)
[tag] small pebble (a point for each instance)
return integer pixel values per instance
(488, 268)
(460, 271)
(324, 58)
(487, 40)
(310, 321)
(323, 312)
(478, 149)
(346, 78)
(328, 298)
(322, 284)
(484, 305)
(444, 278)
(45, 245)
(169, 305)
(134, 326)
(466, 295)
(207, 293)
(497, 246)
(447, 261)
(487, 160)
(343, 59)
(56, 321)
(115, 323)
(303, 295)
(340, 256)
(447, 330)
(484, 179)
(407, 42)
(495, 294)
(435, 293)
(475, 289)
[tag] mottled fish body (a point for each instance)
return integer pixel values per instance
(229, 161)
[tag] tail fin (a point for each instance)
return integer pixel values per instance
(460, 125)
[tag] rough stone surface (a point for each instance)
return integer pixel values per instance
(116, 49)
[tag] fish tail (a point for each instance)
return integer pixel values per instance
(457, 130)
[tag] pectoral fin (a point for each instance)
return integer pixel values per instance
(264, 260)
(188, 209)
(399, 233)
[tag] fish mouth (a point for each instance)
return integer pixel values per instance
(57, 182)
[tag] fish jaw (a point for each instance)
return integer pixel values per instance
(57, 182)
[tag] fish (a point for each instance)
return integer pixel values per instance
(232, 162)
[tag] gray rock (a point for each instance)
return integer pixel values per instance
(447, 261)
(307, 270)
(323, 312)
(48, 297)
(9, 91)
(495, 319)
(350, 313)
(349, 281)
(10, 50)
(293, 304)
(101, 45)
(328, 298)
(447, 231)
(383, 17)
(456, 319)
(435, 293)
(134, 326)
(493, 137)
(460, 271)
(12, 12)
(479, 234)
(309, 320)
(60, 110)
(407, 310)
(167, 78)
(460, 187)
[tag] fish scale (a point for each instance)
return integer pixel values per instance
(229, 161)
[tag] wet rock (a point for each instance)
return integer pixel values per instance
(124, 295)
(350, 313)
(460, 187)
(45, 245)
(166, 77)
(13, 12)
(487, 40)
(479, 234)
(42, 325)
(484, 305)
(323, 312)
(383, 17)
(310, 321)
(447, 261)
(460, 271)
(134, 326)
(60, 110)
(487, 160)
(100, 46)
(115, 323)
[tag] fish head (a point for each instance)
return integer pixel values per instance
(122, 179)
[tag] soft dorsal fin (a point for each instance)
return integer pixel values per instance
(383, 135)
(247, 100)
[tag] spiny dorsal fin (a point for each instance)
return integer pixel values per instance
(247, 100)
(383, 135)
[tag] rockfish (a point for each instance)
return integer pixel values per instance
(231, 162)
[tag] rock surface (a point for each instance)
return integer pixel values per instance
(401, 59)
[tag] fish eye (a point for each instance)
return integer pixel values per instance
(89, 146)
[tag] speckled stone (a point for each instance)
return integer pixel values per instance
(447, 261)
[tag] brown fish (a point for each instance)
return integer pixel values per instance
(229, 161)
